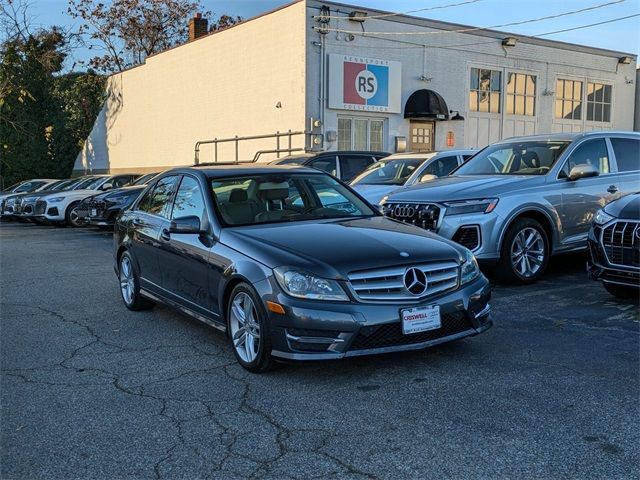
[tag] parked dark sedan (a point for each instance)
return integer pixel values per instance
(101, 210)
(345, 165)
(614, 247)
(259, 252)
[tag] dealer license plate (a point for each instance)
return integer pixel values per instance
(94, 212)
(420, 319)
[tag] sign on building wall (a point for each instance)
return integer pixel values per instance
(364, 84)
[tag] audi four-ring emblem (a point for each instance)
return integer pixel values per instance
(404, 211)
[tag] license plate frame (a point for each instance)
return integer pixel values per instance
(93, 212)
(420, 319)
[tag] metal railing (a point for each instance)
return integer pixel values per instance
(236, 140)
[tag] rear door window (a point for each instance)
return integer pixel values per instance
(627, 152)
(326, 164)
(352, 165)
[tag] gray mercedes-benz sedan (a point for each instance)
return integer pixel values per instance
(293, 264)
(521, 200)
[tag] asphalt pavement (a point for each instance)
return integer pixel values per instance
(92, 390)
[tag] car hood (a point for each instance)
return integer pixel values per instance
(627, 208)
(333, 248)
(74, 194)
(465, 187)
(374, 193)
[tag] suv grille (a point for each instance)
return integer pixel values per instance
(387, 284)
(424, 215)
(621, 243)
(41, 206)
(390, 334)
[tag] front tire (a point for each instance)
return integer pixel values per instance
(130, 285)
(249, 331)
(71, 216)
(622, 291)
(525, 253)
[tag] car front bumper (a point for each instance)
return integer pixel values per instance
(599, 267)
(315, 330)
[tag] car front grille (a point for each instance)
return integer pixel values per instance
(390, 334)
(41, 207)
(387, 284)
(621, 243)
(423, 215)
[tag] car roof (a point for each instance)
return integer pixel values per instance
(235, 169)
(459, 151)
(568, 136)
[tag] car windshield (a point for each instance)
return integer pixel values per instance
(388, 172)
(144, 179)
(274, 198)
(93, 184)
(291, 160)
(56, 185)
(518, 158)
(30, 186)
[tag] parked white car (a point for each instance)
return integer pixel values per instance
(405, 169)
(26, 186)
(60, 207)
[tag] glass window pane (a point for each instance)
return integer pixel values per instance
(591, 152)
(519, 105)
(559, 89)
(485, 79)
(607, 93)
(474, 79)
(376, 135)
(590, 114)
(577, 90)
(590, 89)
(531, 85)
(567, 109)
(597, 110)
(511, 83)
(360, 134)
(559, 109)
(577, 110)
(484, 102)
(530, 108)
(627, 152)
(598, 92)
(495, 103)
(189, 200)
(606, 112)
(520, 84)
(344, 134)
(495, 81)
(473, 101)
(510, 104)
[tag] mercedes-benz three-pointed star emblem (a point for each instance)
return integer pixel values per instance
(415, 281)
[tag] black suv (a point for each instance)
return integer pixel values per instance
(293, 264)
(614, 247)
(345, 165)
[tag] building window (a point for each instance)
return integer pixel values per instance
(598, 102)
(521, 94)
(569, 99)
(360, 133)
(485, 89)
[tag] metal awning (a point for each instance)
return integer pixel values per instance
(426, 104)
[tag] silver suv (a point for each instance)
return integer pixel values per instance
(521, 200)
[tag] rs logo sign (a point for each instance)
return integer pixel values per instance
(366, 84)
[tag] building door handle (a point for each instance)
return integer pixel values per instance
(612, 189)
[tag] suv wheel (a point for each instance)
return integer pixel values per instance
(71, 215)
(525, 252)
(249, 330)
(130, 285)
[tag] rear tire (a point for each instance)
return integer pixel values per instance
(247, 321)
(525, 253)
(130, 285)
(622, 291)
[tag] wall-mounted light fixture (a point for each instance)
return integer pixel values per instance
(509, 41)
(626, 60)
(457, 115)
(357, 16)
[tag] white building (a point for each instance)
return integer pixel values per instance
(351, 79)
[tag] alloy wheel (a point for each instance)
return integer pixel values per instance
(127, 286)
(245, 328)
(74, 219)
(527, 252)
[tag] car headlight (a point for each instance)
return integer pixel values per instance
(484, 205)
(55, 199)
(301, 284)
(470, 270)
(602, 217)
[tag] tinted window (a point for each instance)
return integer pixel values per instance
(189, 200)
(627, 152)
(442, 166)
(591, 152)
(352, 165)
(157, 201)
(120, 181)
(326, 164)
(388, 172)
(467, 157)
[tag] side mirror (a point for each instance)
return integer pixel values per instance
(189, 224)
(427, 176)
(584, 170)
(107, 186)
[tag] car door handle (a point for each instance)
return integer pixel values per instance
(164, 235)
(612, 189)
